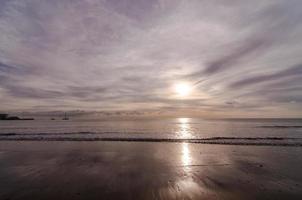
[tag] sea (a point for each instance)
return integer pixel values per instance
(279, 132)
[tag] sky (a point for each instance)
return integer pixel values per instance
(240, 58)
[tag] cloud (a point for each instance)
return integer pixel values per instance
(225, 62)
(126, 55)
(289, 72)
(5, 68)
(25, 92)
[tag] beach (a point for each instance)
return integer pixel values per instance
(150, 100)
(147, 170)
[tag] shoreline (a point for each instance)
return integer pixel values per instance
(274, 141)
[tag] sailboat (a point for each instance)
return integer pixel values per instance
(65, 117)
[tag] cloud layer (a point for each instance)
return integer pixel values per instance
(243, 57)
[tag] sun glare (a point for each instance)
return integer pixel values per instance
(183, 120)
(183, 89)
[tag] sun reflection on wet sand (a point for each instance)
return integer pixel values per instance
(186, 155)
(184, 128)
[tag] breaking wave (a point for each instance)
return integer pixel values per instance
(279, 126)
(91, 136)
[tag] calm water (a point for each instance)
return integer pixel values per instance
(177, 128)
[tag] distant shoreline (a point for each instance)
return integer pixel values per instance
(6, 117)
(20, 119)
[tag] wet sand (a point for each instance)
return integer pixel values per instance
(142, 170)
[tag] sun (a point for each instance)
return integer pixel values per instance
(182, 89)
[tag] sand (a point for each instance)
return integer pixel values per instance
(142, 170)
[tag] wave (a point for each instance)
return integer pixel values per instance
(279, 126)
(46, 134)
(258, 141)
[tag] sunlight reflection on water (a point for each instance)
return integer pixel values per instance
(184, 128)
(186, 159)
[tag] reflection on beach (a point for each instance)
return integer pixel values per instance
(137, 170)
(187, 184)
(186, 155)
(184, 132)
